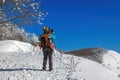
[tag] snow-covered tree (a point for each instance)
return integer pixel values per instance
(2, 2)
(12, 32)
(22, 12)
(15, 13)
(34, 39)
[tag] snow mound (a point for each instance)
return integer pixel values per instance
(15, 46)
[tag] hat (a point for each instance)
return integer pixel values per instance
(45, 28)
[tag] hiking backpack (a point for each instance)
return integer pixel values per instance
(45, 40)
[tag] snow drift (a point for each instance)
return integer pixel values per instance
(15, 46)
(14, 65)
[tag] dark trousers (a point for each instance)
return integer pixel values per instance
(47, 53)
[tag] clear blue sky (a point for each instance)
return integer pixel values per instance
(83, 23)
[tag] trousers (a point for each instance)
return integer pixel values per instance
(47, 54)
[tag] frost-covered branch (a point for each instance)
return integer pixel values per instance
(22, 12)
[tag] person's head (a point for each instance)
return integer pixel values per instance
(44, 28)
(52, 31)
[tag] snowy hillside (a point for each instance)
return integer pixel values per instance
(14, 46)
(111, 60)
(19, 63)
(108, 58)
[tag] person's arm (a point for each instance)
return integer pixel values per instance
(40, 45)
(40, 42)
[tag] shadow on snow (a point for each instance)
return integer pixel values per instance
(20, 69)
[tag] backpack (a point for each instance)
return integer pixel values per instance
(45, 40)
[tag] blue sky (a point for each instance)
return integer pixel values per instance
(82, 23)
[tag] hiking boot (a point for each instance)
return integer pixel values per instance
(43, 69)
(50, 70)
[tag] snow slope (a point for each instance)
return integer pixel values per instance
(15, 46)
(17, 64)
(111, 60)
(108, 58)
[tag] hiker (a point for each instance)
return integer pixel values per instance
(47, 47)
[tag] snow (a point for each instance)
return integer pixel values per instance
(15, 46)
(19, 63)
(111, 60)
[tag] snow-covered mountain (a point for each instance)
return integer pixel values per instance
(22, 61)
(108, 58)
